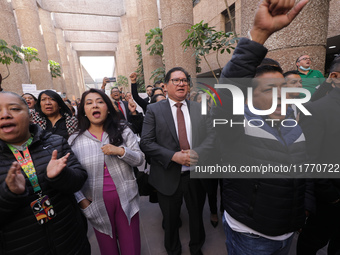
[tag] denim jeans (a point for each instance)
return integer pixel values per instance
(249, 244)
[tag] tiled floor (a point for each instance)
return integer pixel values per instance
(152, 233)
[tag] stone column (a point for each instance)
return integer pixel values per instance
(307, 34)
(71, 91)
(80, 89)
(31, 36)
(148, 19)
(131, 36)
(177, 17)
(334, 18)
(121, 60)
(128, 39)
(51, 43)
(77, 79)
(65, 61)
(9, 33)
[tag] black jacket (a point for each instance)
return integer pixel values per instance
(270, 206)
(159, 141)
(323, 139)
(20, 232)
(142, 102)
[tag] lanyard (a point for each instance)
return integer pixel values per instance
(27, 164)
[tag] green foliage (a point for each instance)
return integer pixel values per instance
(30, 54)
(156, 48)
(205, 39)
(54, 68)
(140, 69)
(9, 54)
(155, 35)
(122, 81)
(158, 74)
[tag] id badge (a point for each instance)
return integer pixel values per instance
(43, 209)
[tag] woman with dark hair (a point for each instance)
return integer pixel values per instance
(31, 100)
(156, 91)
(156, 98)
(108, 150)
(38, 177)
(53, 115)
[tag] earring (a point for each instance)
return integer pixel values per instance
(108, 112)
(85, 115)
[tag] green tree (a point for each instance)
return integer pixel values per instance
(205, 39)
(156, 48)
(9, 55)
(140, 69)
(55, 69)
(122, 81)
(156, 36)
(30, 54)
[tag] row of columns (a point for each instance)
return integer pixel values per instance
(36, 30)
(24, 23)
(177, 17)
(306, 35)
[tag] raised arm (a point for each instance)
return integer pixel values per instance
(140, 101)
(271, 16)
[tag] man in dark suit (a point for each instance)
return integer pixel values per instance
(323, 138)
(123, 106)
(166, 128)
(126, 110)
(148, 92)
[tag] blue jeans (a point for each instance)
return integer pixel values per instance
(249, 244)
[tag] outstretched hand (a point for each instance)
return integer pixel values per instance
(15, 180)
(55, 166)
(272, 16)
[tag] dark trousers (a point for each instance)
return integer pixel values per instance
(194, 195)
(321, 228)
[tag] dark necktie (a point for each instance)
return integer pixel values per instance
(182, 132)
(120, 108)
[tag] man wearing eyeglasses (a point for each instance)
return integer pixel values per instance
(167, 128)
(310, 78)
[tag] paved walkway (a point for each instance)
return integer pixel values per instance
(152, 233)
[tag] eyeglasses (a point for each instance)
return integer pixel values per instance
(176, 82)
(310, 59)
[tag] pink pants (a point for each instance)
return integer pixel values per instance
(126, 236)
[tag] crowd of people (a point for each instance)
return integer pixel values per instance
(65, 163)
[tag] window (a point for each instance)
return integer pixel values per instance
(228, 25)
